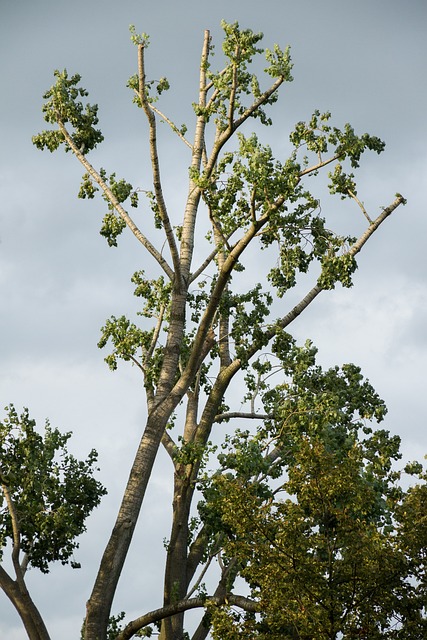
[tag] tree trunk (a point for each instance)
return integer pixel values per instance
(99, 604)
(176, 581)
(27, 610)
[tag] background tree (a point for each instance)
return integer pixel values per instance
(207, 319)
(321, 535)
(45, 497)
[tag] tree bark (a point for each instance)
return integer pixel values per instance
(185, 605)
(100, 601)
(176, 581)
(24, 605)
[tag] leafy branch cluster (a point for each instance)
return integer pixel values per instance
(47, 494)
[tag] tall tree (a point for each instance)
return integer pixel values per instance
(209, 338)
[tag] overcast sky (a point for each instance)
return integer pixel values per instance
(59, 281)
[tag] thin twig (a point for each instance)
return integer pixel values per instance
(318, 166)
(354, 196)
(200, 578)
(171, 124)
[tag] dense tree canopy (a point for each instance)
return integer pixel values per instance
(301, 502)
(324, 547)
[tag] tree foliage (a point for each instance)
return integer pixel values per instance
(303, 503)
(324, 547)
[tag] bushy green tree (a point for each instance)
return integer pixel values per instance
(208, 323)
(321, 532)
(46, 495)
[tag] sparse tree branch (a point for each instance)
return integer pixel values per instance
(212, 306)
(136, 363)
(201, 576)
(228, 373)
(170, 236)
(314, 292)
(220, 240)
(169, 444)
(354, 196)
(204, 265)
(318, 166)
(209, 86)
(116, 204)
(193, 199)
(196, 552)
(149, 387)
(209, 259)
(376, 223)
(155, 338)
(258, 103)
(222, 138)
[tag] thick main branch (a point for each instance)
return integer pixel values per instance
(185, 605)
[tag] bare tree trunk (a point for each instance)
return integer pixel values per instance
(99, 604)
(100, 601)
(176, 581)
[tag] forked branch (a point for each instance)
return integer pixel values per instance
(115, 203)
(17, 590)
(171, 124)
(227, 374)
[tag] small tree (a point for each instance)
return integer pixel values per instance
(46, 495)
(207, 316)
